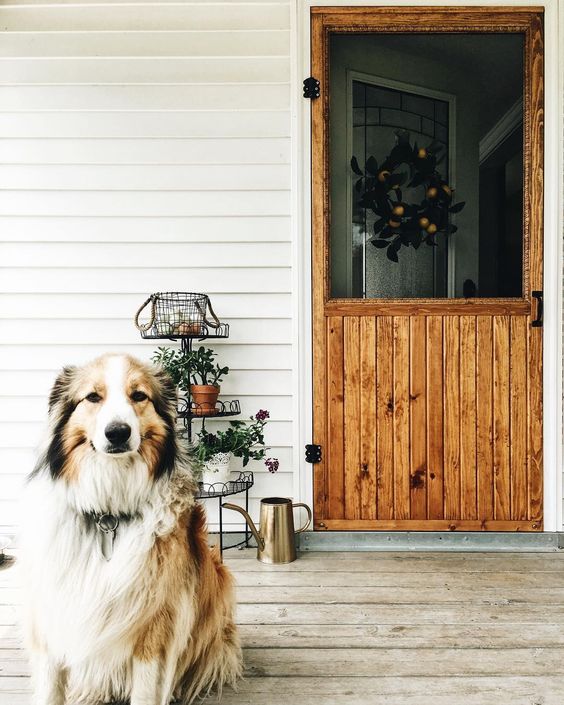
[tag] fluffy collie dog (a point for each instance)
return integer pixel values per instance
(125, 601)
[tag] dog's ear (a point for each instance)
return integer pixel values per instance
(166, 397)
(61, 387)
(165, 401)
(61, 406)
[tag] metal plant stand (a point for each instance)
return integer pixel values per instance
(185, 317)
(220, 490)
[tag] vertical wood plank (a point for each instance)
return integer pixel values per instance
(335, 461)
(435, 411)
(533, 198)
(368, 416)
(452, 416)
(535, 476)
(484, 425)
(401, 418)
(320, 227)
(502, 484)
(385, 417)
(468, 410)
(518, 418)
(352, 417)
(418, 417)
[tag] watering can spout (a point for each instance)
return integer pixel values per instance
(250, 522)
(276, 536)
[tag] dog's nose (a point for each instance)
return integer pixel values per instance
(117, 432)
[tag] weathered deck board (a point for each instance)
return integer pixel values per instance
(483, 624)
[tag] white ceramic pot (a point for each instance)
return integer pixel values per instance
(217, 469)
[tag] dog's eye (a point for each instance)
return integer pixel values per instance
(138, 396)
(93, 397)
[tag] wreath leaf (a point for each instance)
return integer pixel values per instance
(378, 225)
(355, 167)
(392, 254)
(372, 166)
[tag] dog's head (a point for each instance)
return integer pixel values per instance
(116, 406)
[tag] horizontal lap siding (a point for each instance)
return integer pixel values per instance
(143, 147)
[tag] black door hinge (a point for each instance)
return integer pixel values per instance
(313, 453)
(311, 87)
(538, 295)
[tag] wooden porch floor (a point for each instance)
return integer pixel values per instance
(375, 628)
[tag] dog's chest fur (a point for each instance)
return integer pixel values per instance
(88, 606)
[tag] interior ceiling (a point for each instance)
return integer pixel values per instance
(494, 61)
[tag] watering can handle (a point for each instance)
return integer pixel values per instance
(309, 516)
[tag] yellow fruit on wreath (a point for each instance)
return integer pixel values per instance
(432, 229)
(383, 175)
(394, 223)
(422, 153)
(398, 210)
(432, 192)
(424, 222)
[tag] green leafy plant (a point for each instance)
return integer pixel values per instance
(204, 369)
(380, 187)
(190, 367)
(243, 439)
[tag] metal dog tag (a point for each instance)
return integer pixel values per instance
(107, 526)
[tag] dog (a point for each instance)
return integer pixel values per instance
(123, 598)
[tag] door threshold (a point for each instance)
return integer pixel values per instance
(511, 542)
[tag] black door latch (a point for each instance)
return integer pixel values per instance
(538, 295)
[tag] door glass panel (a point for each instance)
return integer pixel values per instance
(426, 165)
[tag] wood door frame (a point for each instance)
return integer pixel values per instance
(325, 20)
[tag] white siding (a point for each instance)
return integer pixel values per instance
(144, 146)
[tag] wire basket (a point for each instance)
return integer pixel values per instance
(177, 314)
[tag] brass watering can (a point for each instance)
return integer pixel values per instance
(275, 539)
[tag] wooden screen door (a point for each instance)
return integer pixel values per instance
(427, 314)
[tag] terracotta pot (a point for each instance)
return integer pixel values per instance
(204, 397)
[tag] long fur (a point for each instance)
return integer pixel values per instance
(156, 621)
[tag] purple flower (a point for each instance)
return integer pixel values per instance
(272, 464)
(262, 415)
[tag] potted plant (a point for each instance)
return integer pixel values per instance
(206, 376)
(243, 439)
(194, 372)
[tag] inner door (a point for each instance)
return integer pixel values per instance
(427, 150)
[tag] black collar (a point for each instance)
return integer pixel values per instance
(94, 517)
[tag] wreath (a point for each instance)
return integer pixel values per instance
(399, 223)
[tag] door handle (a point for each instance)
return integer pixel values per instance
(538, 295)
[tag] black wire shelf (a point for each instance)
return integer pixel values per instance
(185, 331)
(189, 410)
(223, 489)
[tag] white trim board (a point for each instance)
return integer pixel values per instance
(501, 130)
(553, 232)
